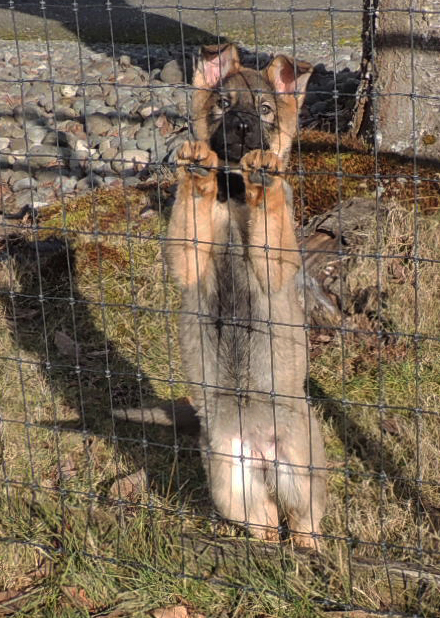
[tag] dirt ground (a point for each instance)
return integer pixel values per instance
(245, 21)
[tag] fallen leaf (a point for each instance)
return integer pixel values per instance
(7, 595)
(391, 426)
(78, 597)
(164, 125)
(26, 314)
(128, 486)
(323, 338)
(118, 613)
(357, 613)
(65, 345)
(68, 469)
(175, 611)
(11, 601)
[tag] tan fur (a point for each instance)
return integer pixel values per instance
(241, 327)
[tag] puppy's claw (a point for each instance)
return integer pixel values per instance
(197, 158)
(261, 167)
(198, 170)
(261, 177)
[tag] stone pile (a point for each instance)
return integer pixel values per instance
(77, 118)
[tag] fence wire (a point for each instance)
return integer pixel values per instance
(107, 492)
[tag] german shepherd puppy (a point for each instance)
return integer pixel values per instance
(231, 248)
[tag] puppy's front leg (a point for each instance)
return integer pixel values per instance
(273, 250)
(190, 229)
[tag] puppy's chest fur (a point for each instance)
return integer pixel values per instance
(233, 298)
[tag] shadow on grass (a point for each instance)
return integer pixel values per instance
(378, 457)
(98, 381)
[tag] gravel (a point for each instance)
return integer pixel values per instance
(76, 123)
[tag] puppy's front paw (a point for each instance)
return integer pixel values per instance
(261, 167)
(197, 159)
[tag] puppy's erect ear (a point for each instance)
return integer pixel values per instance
(215, 62)
(288, 75)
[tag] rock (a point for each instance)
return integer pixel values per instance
(82, 144)
(93, 107)
(7, 174)
(93, 91)
(18, 175)
(6, 125)
(150, 139)
(101, 167)
(18, 146)
(138, 156)
(181, 100)
(44, 154)
(110, 96)
(24, 183)
(72, 139)
(128, 106)
(78, 161)
(48, 176)
(103, 69)
(98, 123)
(68, 90)
(143, 94)
(172, 73)
(38, 89)
(6, 160)
(104, 144)
(131, 77)
(4, 142)
(36, 134)
(89, 182)
(113, 181)
(29, 113)
(64, 112)
(132, 181)
(44, 196)
(58, 138)
(124, 61)
(46, 103)
(145, 111)
(24, 198)
(16, 132)
(109, 153)
(132, 160)
(78, 106)
(129, 131)
(65, 184)
(129, 144)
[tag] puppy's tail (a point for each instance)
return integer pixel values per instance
(165, 414)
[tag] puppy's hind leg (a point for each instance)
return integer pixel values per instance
(302, 493)
(240, 492)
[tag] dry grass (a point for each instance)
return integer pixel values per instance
(69, 548)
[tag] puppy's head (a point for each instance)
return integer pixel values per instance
(237, 109)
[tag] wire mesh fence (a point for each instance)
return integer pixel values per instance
(215, 262)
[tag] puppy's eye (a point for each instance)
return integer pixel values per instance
(265, 109)
(224, 103)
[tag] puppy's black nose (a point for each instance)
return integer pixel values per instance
(241, 125)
